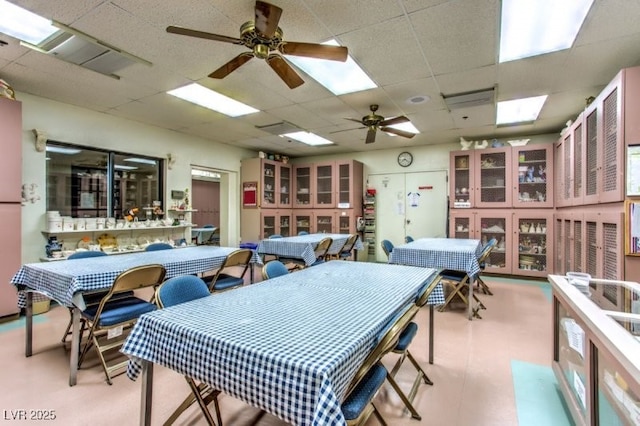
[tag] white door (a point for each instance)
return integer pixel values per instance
(412, 204)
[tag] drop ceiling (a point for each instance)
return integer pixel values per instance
(410, 48)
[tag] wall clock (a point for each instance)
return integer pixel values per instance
(405, 159)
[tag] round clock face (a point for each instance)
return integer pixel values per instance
(405, 159)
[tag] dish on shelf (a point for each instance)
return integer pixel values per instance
(107, 240)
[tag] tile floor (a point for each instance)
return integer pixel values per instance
(493, 371)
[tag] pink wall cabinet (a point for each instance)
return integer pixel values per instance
(274, 222)
(276, 184)
(303, 181)
(349, 185)
(462, 224)
(302, 221)
(603, 244)
(533, 185)
(323, 189)
(496, 224)
(492, 178)
(461, 184)
(346, 220)
(324, 221)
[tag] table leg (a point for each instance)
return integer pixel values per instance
(146, 398)
(470, 299)
(75, 347)
(28, 348)
(431, 318)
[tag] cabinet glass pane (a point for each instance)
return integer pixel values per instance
(343, 225)
(268, 226)
(592, 249)
(324, 185)
(492, 177)
(324, 224)
(617, 403)
(462, 179)
(570, 352)
(303, 222)
(285, 227)
(577, 161)
(285, 185)
(495, 228)
(532, 244)
(344, 193)
(577, 246)
(610, 150)
(269, 184)
(532, 176)
(303, 185)
(461, 227)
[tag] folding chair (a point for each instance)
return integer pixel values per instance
(214, 239)
(223, 279)
(176, 290)
(321, 250)
(273, 269)
(358, 404)
(387, 247)
(408, 239)
(347, 249)
(482, 261)
(112, 316)
(402, 349)
(460, 282)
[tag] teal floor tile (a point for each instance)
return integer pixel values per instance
(19, 323)
(538, 399)
(544, 286)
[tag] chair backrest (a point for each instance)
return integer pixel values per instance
(208, 226)
(181, 289)
(303, 233)
(274, 236)
(408, 239)
(158, 246)
(486, 250)
(86, 254)
(273, 269)
(214, 239)
(387, 247)
(350, 243)
(385, 344)
(322, 248)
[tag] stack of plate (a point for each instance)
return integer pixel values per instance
(580, 280)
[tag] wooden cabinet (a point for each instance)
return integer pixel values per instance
(334, 184)
(595, 351)
(303, 181)
(324, 185)
(275, 222)
(497, 224)
(533, 247)
(302, 221)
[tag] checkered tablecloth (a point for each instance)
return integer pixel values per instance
(302, 246)
(61, 280)
(289, 345)
(446, 253)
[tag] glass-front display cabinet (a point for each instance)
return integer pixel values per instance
(595, 349)
(534, 183)
(302, 180)
(324, 193)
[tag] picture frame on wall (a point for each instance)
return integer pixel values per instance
(250, 194)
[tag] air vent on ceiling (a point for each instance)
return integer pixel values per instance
(280, 128)
(470, 99)
(81, 49)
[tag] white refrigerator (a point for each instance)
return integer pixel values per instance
(10, 202)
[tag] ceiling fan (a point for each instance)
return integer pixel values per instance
(264, 38)
(377, 122)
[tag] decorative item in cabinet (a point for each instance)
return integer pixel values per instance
(534, 184)
(324, 221)
(461, 224)
(302, 220)
(496, 224)
(462, 180)
(302, 176)
(532, 257)
(269, 185)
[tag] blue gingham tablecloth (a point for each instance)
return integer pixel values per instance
(302, 246)
(289, 345)
(61, 280)
(446, 253)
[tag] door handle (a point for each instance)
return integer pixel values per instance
(408, 221)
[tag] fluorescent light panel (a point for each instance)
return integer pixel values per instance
(535, 27)
(24, 25)
(140, 160)
(407, 127)
(520, 110)
(338, 77)
(308, 138)
(207, 98)
(63, 150)
(121, 167)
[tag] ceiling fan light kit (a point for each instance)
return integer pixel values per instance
(264, 38)
(374, 122)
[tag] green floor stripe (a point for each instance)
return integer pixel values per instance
(19, 323)
(544, 286)
(538, 398)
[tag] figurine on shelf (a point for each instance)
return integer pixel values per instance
(530, 171)
(53, 246)
(186, 199)
(542, 173)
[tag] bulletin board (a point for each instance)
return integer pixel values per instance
(633, 171)
(250, 194)
(632, 227)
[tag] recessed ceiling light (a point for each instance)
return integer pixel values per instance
(519, 110)
(215, 101)
(418, 99)
(308, 138)
(140, 160)
(63, 150)
(24, 25)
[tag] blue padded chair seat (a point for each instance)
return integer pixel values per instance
(363, 393)
(95, 298)
(406, 337)
(225, 281)
(452, 275)
(120, 310)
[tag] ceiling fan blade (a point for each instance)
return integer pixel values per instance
(371, 135)
(266, 18)
(357, 120)
(284, 70)
(232, 65)
(394, 120)
(311, 50)
(398, 132)
(347, 130)
(201, 34)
